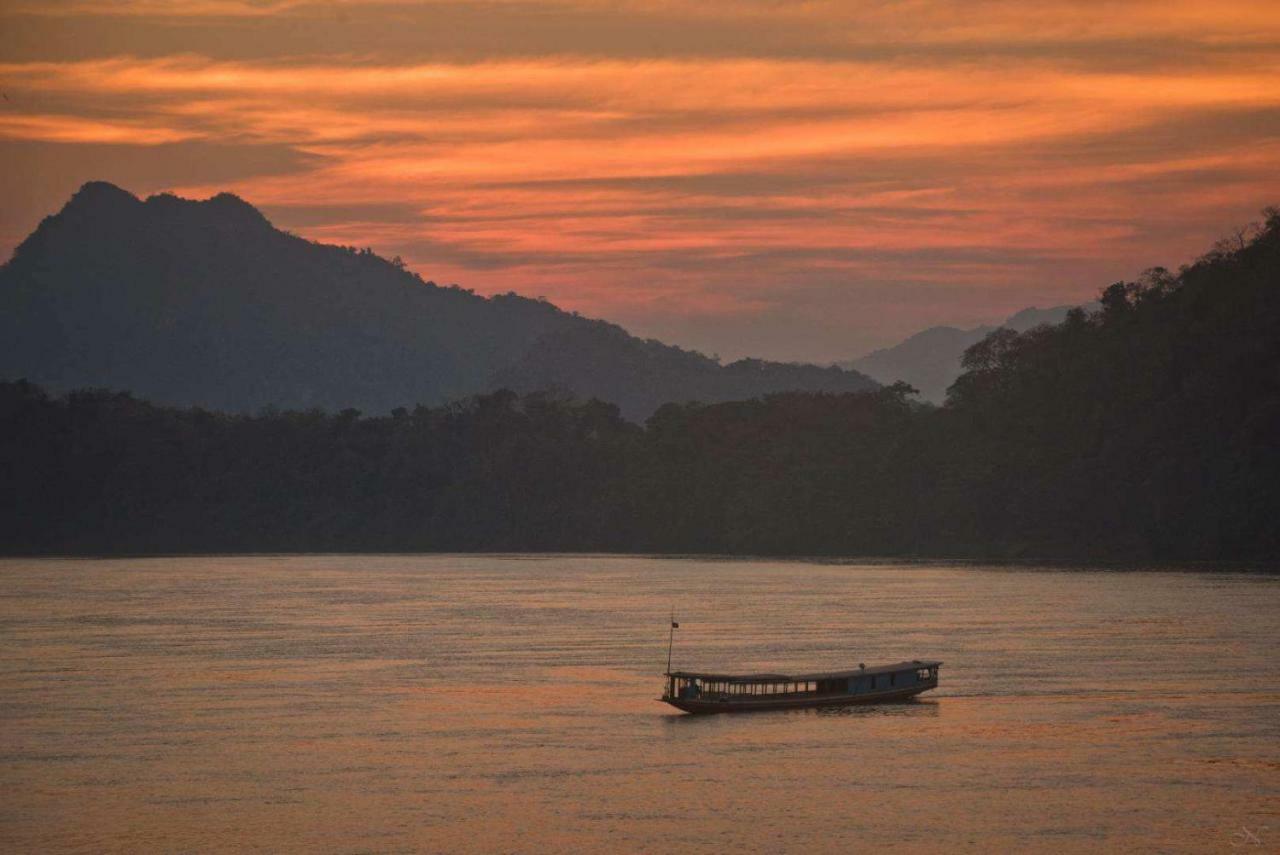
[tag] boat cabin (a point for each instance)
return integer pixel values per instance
(902, 678)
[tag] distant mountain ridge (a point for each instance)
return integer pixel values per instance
(206, 303)
(930, 359)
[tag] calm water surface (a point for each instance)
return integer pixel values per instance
(488, 703)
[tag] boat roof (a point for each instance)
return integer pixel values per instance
(804, 678)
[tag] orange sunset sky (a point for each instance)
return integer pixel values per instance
(793, 180)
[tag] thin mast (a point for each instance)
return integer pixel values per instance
(671, 637)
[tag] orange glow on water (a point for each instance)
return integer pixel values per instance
(479, 703)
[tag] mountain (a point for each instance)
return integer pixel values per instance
(206, 303)
(1142, 432)
(602, 357)
(930, 360)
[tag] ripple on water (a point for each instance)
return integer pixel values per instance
(481, 703)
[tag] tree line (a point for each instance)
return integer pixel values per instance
(1149, 429)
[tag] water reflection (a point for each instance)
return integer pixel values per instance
(480, 703)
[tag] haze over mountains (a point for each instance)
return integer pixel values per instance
(930, 359)
(206, 303)
(1145, 430)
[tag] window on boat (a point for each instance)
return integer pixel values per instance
(893, 679)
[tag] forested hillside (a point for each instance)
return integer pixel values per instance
(931, 359)
(1152, 425)
(207, 304)
(1148, 429)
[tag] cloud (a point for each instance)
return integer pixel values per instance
(73, 129)
(657, 160)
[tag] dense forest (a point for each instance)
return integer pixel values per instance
(930, 359)
(1148, 429)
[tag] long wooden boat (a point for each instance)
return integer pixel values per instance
(706, 692)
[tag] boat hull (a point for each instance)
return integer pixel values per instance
(700, 706)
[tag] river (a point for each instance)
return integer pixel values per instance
(399, 703)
